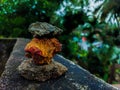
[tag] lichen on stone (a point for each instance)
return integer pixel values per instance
(43, 28)
(42, 50)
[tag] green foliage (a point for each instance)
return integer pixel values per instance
(16, 15)
(109, 10)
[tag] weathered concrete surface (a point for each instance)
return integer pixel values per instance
(76, 78)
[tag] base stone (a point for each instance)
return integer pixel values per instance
(41, 72)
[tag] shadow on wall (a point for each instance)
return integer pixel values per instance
(6, 46)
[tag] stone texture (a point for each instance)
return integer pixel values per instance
(76, 78)
(43, 28)
(41, 72)
(42, 50)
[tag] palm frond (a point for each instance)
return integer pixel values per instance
(109, 11)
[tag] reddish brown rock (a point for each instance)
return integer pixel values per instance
(42, 50)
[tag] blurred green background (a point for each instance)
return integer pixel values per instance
(91, 36)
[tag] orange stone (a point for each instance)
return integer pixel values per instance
(42, 50)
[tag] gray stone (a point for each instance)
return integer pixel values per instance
(76, 78)
(41, 72)
(43, 28)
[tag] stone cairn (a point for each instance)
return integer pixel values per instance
(41, 50)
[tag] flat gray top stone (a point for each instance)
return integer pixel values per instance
(76, 78)
(43, 28)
